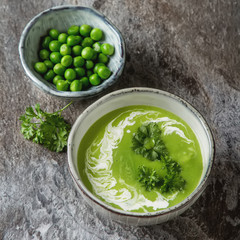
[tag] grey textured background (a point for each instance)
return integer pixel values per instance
(190, 48)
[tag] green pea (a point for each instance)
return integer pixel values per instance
(87, 42)
(89, 73)
(62, 85)
(85, 82)
(97, 47)
(107, 49)
(74, 56)
(65, 50)
(89, 64)
(87, 53)
(80, 71)
(56, 78)
(62, 38)
(102, 58)
(66, 60)
(55, 57)
(70, 74)
(44, 54)
(78, 61)
(59, 69)
(103, 72)
(85, 30)
(40, 67)
(94, 79)
(73, 40)
(49, 75)
(76, 85)
(97, 65)
(96, 34)
(54, 46)
(49, 64)
(53, 33)
(76, 50)
(73, 30)
(46, 41)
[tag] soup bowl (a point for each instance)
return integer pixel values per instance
(148, 97)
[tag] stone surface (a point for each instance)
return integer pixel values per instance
(190, 48)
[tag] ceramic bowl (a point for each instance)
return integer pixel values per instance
(62, 18)
(150, 97)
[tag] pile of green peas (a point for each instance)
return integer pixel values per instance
(75, 60)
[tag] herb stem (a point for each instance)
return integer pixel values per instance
(64, 108)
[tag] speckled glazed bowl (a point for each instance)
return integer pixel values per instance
(151, 97)
(62, 18)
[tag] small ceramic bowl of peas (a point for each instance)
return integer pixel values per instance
(72, 52)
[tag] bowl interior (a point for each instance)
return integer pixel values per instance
(62, 18)
(148, 97)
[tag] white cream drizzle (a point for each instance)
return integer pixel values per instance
(99, 162)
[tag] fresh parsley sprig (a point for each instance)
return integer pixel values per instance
(173, 181)
(48, 129)
(169, 183)
(147, 142)
(149, 178)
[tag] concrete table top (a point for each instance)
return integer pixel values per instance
(189, 48)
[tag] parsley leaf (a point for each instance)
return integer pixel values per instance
(48, 129)
(169, 183)
(148, 143)
(149, 178)
(173, 181)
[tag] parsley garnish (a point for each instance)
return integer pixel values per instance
(169, 183)
(147, 142)
(149, 178)
(48, 129)
(173, 181)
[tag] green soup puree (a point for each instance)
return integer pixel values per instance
(109, 167)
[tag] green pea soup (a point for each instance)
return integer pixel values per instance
(109, 167)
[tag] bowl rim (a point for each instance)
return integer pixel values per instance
(81, 94)
(176, 208)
